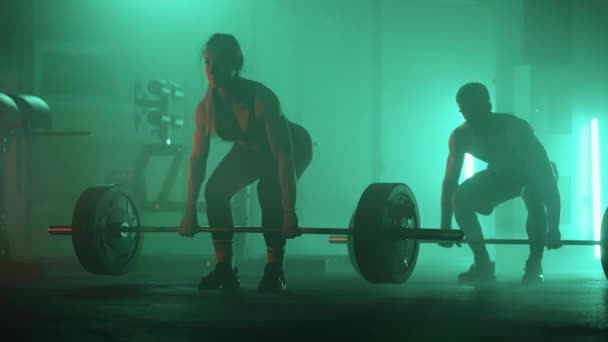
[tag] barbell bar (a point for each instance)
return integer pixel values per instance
(384, 231)
(428, 235)
(344, 239)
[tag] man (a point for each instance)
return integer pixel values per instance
(518, 165)
(267, 148)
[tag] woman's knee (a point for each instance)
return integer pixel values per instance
(215, 193)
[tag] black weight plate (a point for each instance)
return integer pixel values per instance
(99, 246)
(375, 253)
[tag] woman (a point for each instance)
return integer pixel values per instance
(267, 147)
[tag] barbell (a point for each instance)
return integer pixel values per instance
(384, 231)
(602, 242)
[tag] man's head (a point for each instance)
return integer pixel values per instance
(473, 99)
(223, 59)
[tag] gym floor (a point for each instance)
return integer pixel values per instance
(326, 300)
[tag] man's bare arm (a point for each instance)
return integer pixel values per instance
(450, 181)
(542, 173)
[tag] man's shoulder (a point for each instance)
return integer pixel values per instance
(509, 116)
(513, 121)
(460, 131)
(460, 137)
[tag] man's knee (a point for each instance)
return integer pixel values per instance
(465, 202)
(462, 202)
(459, 200)
(464, 211)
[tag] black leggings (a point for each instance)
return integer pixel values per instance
(240, 168)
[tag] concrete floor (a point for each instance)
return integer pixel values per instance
(161, 303)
